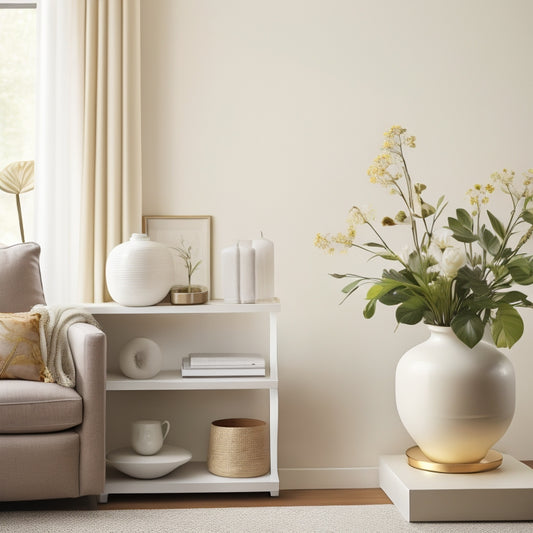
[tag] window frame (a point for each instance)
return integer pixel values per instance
(18, 4)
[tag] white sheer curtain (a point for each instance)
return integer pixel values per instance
(59, 145)
(88, 147)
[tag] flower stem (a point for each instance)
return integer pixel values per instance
(19, 210)
(409, 184)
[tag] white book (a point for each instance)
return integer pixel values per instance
(226, 360)
(206, 372)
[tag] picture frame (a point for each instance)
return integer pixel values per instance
(175, 231)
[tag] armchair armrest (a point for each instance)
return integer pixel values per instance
(88, 347)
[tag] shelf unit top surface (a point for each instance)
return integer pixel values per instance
(172, 380)
(212, 306)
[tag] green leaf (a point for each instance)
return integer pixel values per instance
(411, 311)
(463, 216)
(351, 287)
(527, 215)
(521, 270)
(460, 232)
(468, 328)
(506, 253)
(374, 244)
(471, 279)
(507, 326)
(414, 262)
(370, 309)
(381, 288)
(376, 291)
(404, 277)
(512, 297)
(497, 226)
(339, 276)
(489, 241)
(393, 297)
(387, 255)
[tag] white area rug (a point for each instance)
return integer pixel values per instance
(336, 519)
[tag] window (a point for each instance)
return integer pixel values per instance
(18, 74)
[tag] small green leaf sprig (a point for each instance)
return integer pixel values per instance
(460, 275)
(185, 254)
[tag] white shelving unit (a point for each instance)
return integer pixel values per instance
(194, 477)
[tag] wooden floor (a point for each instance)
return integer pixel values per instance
(190, 501)
(285, 498)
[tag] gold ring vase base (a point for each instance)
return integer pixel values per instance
(417, 459)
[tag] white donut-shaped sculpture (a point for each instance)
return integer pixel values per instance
(140, 358)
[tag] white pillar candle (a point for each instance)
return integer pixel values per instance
(247, 272)
(230, 274)
(264, 269)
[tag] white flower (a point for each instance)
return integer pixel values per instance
(405, 252)
(452, 260)
(443, 239)
(435, 251)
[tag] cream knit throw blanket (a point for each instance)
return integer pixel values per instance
(55, 348)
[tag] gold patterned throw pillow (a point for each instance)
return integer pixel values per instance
(20, 352)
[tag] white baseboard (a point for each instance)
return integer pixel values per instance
(329, 478)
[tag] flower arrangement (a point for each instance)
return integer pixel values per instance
(460, 275)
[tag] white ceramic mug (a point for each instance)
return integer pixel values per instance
(147, 436)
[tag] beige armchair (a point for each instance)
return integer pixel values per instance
(52, 441)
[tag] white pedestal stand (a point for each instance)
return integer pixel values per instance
(502, 494)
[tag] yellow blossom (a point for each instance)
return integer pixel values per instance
(379, 171)
(343, 240)
(504, 178)
(478, 196)
(323, 242)
(329, 243)
(358, 216)
(394, 131)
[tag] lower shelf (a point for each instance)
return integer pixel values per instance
(191, 477)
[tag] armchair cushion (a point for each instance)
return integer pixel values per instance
(20, 278)
(36, 407)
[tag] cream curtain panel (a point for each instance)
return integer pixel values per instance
(111, 186)
(90, 53)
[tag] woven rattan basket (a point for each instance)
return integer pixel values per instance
(238, 447)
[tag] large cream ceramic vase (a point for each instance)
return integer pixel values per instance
(139, 271)
(454, 401)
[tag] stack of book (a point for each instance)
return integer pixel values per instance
(222, 365)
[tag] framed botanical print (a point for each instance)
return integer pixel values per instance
(190, 235)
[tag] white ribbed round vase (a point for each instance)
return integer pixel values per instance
(454, 401)
(139, 272)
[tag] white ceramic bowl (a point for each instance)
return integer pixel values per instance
(148, 466)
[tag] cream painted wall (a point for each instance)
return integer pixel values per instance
(266, 114)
